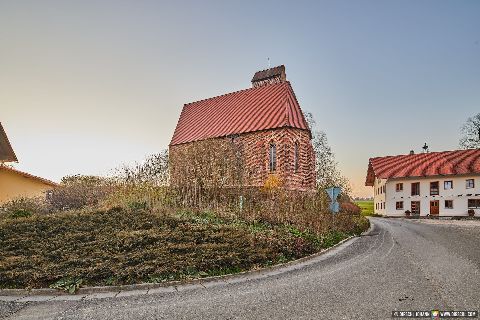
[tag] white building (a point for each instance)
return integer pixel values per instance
(436, 183)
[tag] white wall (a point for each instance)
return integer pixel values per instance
(458, 194)
(379, 200)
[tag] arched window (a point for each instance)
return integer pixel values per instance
(295, 157)
(273, 157)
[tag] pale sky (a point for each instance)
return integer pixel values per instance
(86, 86)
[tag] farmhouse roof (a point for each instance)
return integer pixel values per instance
(6, 151)
(265, 107)
(424, 165)
(28, 175)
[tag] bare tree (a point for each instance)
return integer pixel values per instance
(471, 133)
(212, 163)
(153, 170)
(326, 166)
(202, 171)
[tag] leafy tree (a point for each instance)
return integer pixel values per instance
(326, 167)
(471, 133)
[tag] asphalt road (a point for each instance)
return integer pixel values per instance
(400, 265)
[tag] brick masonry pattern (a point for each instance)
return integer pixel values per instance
(256, 147)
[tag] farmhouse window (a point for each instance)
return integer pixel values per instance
(295, 159)
(473, 203)
(415, 207)
(448, 204)
(399, 187)
(416, 189)
(399, 205)
(447, 185)
(273, 157)
(470, 183)
(434, 188)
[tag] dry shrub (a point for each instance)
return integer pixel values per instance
(351, 208)
(209, 175)
(74, 192)
(212, 164)
(78, 191)
(307, 211)
(273, 182)
(140, 196)
(23, 207)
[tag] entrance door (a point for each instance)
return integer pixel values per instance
(415, 206)
(434, 207)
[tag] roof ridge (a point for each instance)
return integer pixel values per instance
(419, 154)
(238, 91)
(285, 102)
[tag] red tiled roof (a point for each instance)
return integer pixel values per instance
(265, 107)
(28, 175)
(424, 165)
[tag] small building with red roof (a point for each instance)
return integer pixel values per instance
(432, 183)
(265, 121)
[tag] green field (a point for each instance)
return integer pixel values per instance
(366, 206)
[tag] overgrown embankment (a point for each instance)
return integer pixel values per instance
(124, 246)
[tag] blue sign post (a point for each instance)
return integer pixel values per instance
(333, 193)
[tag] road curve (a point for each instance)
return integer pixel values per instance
(400, 265)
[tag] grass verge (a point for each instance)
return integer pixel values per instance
(125, 246)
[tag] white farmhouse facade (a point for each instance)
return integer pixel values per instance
(436, 184)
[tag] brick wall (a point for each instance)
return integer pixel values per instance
(255, 148)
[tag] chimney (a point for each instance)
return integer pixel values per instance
(412, 152)
(269, 76)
